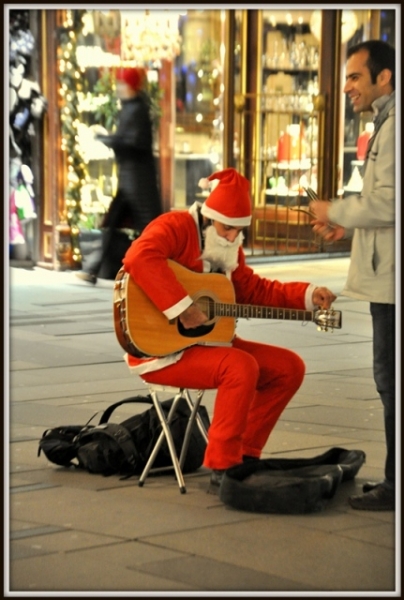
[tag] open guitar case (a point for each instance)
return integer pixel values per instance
(289, 485)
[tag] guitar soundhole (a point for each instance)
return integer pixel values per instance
(194, 332)
(206, 304)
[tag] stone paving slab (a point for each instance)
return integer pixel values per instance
(215, 576)
(377, 534)
(56, 541)
(283, 548)
(342, 387)
(140, 509)
(356, 417)
(106, 570)
(96, 374)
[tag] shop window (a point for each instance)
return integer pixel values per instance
(388, 26)
(276, 132)
(89, 104)
(198, 72)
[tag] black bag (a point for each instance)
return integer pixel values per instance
(110, 448)
(289, 485)
(59, 446)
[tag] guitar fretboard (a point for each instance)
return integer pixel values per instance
(248, 311)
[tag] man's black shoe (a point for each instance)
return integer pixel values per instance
(369, 486)
(216, 479)
(380, 498)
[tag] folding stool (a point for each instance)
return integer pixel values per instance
(154, 390)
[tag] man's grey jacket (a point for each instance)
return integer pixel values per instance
(370, 216)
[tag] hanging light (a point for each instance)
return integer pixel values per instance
(90, 55)
(150, 35)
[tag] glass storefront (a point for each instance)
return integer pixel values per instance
(198, 71)
(183, 54)
(242, 88)
(293, 129)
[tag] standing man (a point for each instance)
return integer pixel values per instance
(370, 218)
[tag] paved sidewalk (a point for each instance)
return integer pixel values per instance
(75, 533)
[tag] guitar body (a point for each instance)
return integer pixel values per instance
(142, 329)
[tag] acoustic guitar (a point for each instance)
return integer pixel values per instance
(143, 330)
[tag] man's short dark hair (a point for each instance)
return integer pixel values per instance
(381, 56)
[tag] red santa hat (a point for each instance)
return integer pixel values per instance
(229, 202)
(133, 76)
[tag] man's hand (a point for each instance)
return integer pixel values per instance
(192, 317)
(323, 297)
(321, 224)
(328, 233)
(320, 208)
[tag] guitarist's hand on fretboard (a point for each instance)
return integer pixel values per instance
(193, 317)
(323, 297)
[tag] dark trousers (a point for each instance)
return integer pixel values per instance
(384, 327)
(107, 261)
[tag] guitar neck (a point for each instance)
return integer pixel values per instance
(247, 311)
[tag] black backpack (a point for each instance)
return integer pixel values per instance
(110, 448)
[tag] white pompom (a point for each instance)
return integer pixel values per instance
(204, 183)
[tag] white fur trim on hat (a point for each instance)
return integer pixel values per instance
(216, 216)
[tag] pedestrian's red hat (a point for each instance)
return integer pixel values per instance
(133, 76)
(229, 202)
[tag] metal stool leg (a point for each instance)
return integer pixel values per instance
(165, 433)
(193, 417)
(177, 464)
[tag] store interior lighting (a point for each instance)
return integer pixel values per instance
(150, 35)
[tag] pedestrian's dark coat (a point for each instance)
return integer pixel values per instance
(137, 201)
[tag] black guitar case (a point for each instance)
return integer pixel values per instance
(289, 485)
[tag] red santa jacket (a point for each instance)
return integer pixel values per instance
(176, 236)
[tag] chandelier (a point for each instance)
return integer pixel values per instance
(149, 35)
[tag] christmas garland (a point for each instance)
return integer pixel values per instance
(72, 82)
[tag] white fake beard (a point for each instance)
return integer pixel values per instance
(222, 254)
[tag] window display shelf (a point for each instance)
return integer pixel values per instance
(293, 165)
(290, 67)
(290, 70)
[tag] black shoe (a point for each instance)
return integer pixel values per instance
(380, 498)
(216, 479)
(89, 277)
(369, 486)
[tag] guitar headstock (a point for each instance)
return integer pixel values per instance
(328, 319)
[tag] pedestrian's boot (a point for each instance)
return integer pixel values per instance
(88, 277)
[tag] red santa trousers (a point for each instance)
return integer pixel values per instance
(254, 383)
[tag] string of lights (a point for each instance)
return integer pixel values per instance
(72, 83)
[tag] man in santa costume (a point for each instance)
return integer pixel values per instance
(254, 381)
